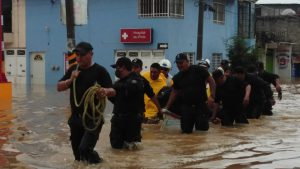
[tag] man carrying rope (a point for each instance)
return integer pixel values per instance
(90, 83)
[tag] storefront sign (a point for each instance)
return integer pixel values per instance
(143, 35)
(283, 61)
(283, 56)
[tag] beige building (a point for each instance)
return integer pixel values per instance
(277, 31)
(14, 40)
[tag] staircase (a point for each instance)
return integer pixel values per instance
(3, 78)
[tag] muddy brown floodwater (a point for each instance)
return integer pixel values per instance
(34, 134)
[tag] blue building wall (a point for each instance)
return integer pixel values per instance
(106, 17)
(216, 35)
(40, 16)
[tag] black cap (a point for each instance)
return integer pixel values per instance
(83, 48)
(137, 62)
(225, 62)
(180, 57)
(123, 61)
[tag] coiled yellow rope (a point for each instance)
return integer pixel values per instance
(88, 100)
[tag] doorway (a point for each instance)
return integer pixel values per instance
(270, 60)
(37, 67)
(15, 66)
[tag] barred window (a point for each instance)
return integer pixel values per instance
(216, 60)
(246, 20)
(219, 14)
(161, 8)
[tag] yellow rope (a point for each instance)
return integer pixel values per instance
(97, 109)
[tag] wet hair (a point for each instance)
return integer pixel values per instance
(239, 70)
(217, 74)
(156, 66)
(260, 66)
(251, 68)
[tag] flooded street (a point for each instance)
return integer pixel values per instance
(34, 134)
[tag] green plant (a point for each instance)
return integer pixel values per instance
(240, 54)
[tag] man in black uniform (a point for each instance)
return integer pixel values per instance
(259, 90)
(190, 86)
(233, 94)
(85, 75)
(137, 67)
(128, 106)
(270, 78)
(225, 67)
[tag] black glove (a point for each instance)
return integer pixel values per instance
(279, 95)
(160, 116)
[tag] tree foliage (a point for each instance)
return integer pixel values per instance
(240, 54)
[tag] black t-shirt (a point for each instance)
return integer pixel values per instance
(231, 93)
(258, 88)
(86, 79)
(191, 85)
(129, 99)
(268, 77)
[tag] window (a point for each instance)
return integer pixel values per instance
(258, 11)
(145, 54)
(161, 8)
(158, 53)
(7, 16)
(246, 20)
(191, 57)
(216, 60)
(133, 53)
(219, 14)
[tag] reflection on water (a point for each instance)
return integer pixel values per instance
(34, 134)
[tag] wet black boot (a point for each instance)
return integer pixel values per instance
(94, 158)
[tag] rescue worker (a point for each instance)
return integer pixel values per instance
(270, 78)
(137, 67)
(157, 81)
(128, 106)
(232, 94)
(204, 63)
(225, 67)
(164, 94)
(259, 89)
(85, 75)
(190, 86)
(166, 67)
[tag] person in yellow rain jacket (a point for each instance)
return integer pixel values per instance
(157, 82)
